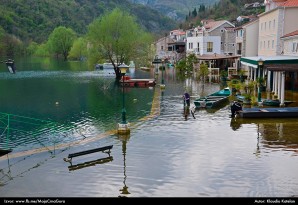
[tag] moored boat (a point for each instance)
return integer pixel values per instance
(213, 100)
(129, 82)
(276, 103)
(145, 68)
(224, 92)
(269, 112)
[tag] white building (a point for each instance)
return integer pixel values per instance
(290, 43)
(213, 37)
(201, 45)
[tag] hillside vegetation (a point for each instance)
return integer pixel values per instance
(176, 9)
(34, 20)
(222, 10)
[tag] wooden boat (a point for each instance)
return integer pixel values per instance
(285, 112)
(213, 100)
(105, 66)
(224, 92)
(145, 68)
(242, 98)
(129, 82)
(210, 101)
(276, 103)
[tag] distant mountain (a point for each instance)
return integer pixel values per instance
(36, 19)
(176, 9)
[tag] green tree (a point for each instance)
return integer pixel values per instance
(2, 34)
(31, 49)
(60, 41)
(186, 66)
(194, 12)
(203, 72)
(117, 37)
(12, 45)
(79, 49)
(42, 50)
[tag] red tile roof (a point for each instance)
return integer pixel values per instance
(289, 3)
(294, 33)
(178, 32)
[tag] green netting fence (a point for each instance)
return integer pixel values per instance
(23, 133)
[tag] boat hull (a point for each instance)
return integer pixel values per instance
(269, 112)
(275, 103)
(210, 101)
(138, 83)
(213, 100)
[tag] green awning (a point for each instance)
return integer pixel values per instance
(272, 62)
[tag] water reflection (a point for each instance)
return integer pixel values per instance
(124, 139)
(235, 124)
(90, 163)
(258, 151)
(5, 176)
(215, 161)
(273, 133)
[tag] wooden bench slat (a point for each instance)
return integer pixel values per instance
(90, 151)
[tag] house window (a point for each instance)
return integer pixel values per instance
(261, 26)
(289, 47)
(260, 44)
(272, 44)
(274, 24)
(198, 46)
(162, 48)
(269, 25)
(294, 47)
(209, 46)
(221, 30)
(190, 45)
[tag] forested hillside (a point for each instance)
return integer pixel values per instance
(34, 20)
(176, 9)
(222, 10)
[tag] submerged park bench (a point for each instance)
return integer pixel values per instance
(100, 149)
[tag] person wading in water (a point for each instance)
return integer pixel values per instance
(186, 106)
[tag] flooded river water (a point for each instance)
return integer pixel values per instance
(55, 112)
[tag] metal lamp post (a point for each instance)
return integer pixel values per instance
(123, 127)
(162, 85)
(260, 64)
(156, 61)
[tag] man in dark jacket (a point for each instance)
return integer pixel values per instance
(186, 99)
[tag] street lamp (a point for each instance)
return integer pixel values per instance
(123, 127)
(163, 67)
(156, 61)
(260, 64)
